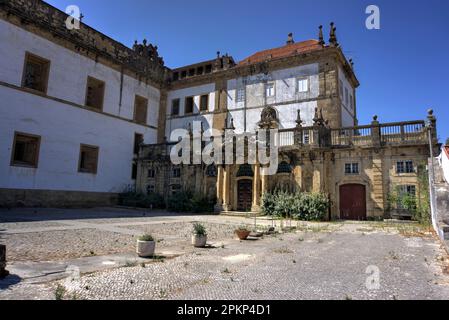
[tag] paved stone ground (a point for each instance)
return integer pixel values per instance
(316, 261)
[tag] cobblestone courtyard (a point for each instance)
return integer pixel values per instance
(314, 261)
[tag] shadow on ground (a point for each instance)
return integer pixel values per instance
(9, 281)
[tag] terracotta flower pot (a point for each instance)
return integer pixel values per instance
(199, 241)
(242, 234)
(145, 249)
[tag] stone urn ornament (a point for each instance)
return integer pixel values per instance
(145, 246)
(242, 233)
(199, 236)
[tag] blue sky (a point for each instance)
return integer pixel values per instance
(402, 67)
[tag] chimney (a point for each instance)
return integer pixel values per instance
(290, 39)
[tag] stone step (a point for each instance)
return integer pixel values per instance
(241, 214)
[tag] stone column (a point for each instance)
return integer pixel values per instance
(3, 272)
(375, 132)
(226, 187)
(264, 183)
(219, 205)
(256, 192)
(377, 193)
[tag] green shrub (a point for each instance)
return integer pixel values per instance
(146, 237)
(199, 229)
(141, 200)
(301, 206)
(188, 202)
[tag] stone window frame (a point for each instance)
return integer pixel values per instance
(151, 189)
(193, 105)
(409, 189)
(302, 78)
(145, 104)
(201, 109)
(405, 167)
(151, 173)
(93, 149)
(38, 59)
(172, 113)
(97, 81)
(269, 83)
(354, 168)
(35, 160)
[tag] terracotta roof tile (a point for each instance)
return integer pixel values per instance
(282, 52)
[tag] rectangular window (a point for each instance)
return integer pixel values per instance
(188, 109)
(95, 93)
(303, 85)
(138, 140)
(204, 102)
(341, 89)
(269, 89)
(306, 138)
(346, 96)
(35, 73)
(151, 189)
(240, 95)
(88, 161)
(403, 191)
(175, 107)
(140, 110)
(151, 173)
(134, 171)
(25, 150)
(351, 102)
(176, 173)
(351, 168)
(175, 189)
(405, 167)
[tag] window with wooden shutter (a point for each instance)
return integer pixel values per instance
(88, 162)
(140, 110)
(188, 105)
(35, 73)
(204, 102)
(25, 151)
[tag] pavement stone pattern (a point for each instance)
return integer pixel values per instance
(314, 261)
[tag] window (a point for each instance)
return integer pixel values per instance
(174, 189)
(25, 150)
(351, 168)
(341, 89)
(346, 96)
(151, 173)
(306, 138)
(134, 171)
(189, 105)
(351, 102)
(175, 107)
(176, 173)
(151, 189)
(140, 110)
(405, 167)
(35, 73)
(138, 140)
(303, 85)
(88, 161)
(269, 89)
(204, 102)
(95, 93)
(404, 191)
(240, 95)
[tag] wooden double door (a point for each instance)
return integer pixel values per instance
(244, 195)
(353, 202)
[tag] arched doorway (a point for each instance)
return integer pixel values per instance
(353, 202)
(244, 194)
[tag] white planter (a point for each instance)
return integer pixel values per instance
(145, 249)
(199, 241)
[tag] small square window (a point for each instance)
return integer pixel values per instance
(175, 107)
(35, 73)
(188, 109)
(352, 168)
(95, 93)
(269, 89)
(240, 95)
(88, 161)
(25, 150)
(151, 173)
(204, 102)
(176, 173)
(303, 85)
(151, 189)
(140, 110)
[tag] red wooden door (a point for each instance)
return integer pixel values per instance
(353, 202)
(245, 195)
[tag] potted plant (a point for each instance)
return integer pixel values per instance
(145, 246)
(199, 237)
(242, 232)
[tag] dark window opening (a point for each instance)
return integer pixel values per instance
(176, 76)
(189, 105)
(204, 102)
(140, 110)
(25, 150)
(95, 93)
(88, 162)
(208, 68)
(138, 140)
(35, 74)
(134, 172)
(175, 107)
